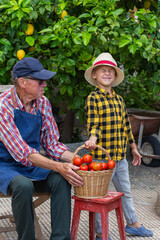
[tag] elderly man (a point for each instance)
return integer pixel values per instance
(26, 122)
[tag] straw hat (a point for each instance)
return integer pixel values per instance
(108, 60)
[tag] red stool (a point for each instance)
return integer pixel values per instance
(102, 205)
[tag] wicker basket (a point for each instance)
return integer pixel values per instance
(95, 183)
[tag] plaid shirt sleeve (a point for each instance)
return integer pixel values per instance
(49, 132)
(92, 116)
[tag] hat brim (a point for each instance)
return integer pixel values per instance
(43, 74)
(119, 78)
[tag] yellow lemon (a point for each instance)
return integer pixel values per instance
(30, 29)
(20, 54)
(63, 14)
(147, 4)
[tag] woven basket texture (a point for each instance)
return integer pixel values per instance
(95, 183)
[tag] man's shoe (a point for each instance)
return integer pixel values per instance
(142, 231)
(97, 238)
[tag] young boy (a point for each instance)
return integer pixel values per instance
(108, 126)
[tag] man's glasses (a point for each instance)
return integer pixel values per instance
(32, 78)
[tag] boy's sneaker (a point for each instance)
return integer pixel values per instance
(100, 238)
(142, 231)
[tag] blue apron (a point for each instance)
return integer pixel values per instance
(29, 126)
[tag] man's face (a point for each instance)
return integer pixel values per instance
(34, 88)
(104, 75)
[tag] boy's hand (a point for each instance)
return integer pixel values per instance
(136, 156)
(90, 145)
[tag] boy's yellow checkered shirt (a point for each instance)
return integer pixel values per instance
(107, 119)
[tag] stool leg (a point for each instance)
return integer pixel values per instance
(75, 221)
(104, 223)
(120, 221)
(91, 225)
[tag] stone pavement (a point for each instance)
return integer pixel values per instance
(145, 184)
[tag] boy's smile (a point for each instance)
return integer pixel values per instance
(105, 76)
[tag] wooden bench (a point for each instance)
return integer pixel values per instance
(5, 87)
(40, 198)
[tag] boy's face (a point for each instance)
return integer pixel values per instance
(104, 75)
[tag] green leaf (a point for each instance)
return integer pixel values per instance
(16, 7)
(143, 39)
(157, 42)
(84, 15)
(153, 24)
(103, 39)
(10, 63)
(84, 56)
(13, 23)
(20, 14)
(98, 11)
(4, 6)
(63, 5)
(27, 10)
(100, 21)
(25, 3)
(41, 10)
(2, 57)
(118, 12)
(70, 62)
(19, 2)
(30, 40)
(5, 41)
(70, 90)
(124, 42)
(77, 40)
(48, 7)
(139, 43)
(133, 48)
(72, 20)
(92, 29)
(63, 89)
(45, 30)
(86, 38)
(139, 30)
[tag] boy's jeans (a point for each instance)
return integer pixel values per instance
(120, 179)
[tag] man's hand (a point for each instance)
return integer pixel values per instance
(68, 171)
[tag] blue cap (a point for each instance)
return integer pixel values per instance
(31, 67)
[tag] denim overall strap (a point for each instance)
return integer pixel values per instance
(29, 126)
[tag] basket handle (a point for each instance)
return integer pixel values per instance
(83, 146)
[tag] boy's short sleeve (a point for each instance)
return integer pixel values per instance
(92, 117)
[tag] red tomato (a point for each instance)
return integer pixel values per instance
(91, 165)
(104, 166)
(111, 164)
(87, 158)
(97, 166)
(84, 167)
(77, 161)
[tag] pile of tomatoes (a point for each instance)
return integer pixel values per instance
(86, 163)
